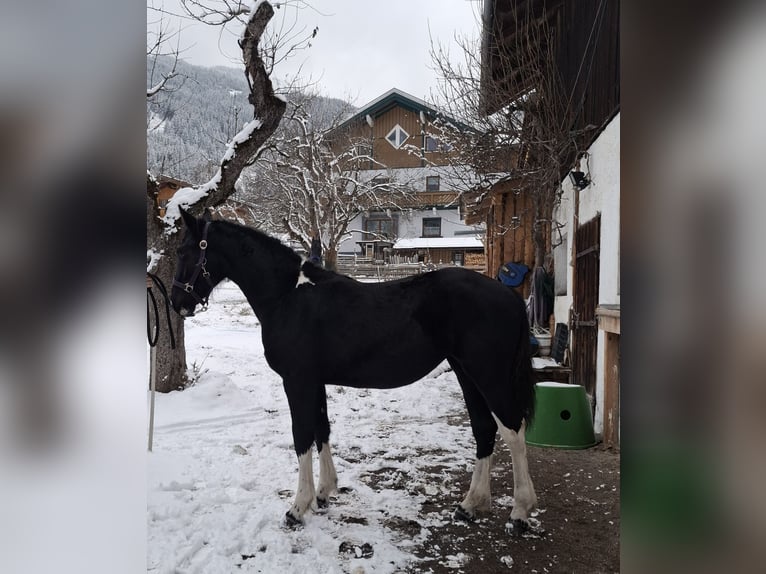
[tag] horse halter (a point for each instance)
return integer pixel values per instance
(188, 286)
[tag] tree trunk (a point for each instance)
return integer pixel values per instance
(171, 363)
(269, 109)
(331, 258)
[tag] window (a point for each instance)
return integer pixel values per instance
(457, 258)
(432, 183)
(397, 136)
(432, 227)
(363, 149)
(382, 226)
(434, 144)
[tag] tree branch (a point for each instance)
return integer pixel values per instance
(245, 146)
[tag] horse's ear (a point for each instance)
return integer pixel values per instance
(190, 221)
(207, 215)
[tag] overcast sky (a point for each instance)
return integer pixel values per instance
(363, 47)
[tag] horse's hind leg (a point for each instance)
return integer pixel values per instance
(507, 418)
(328, 477)
(484, 431)
(524, 497)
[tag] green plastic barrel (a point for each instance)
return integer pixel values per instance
(562, 417)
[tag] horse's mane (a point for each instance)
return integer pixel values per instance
(315, 273)
(268, 241)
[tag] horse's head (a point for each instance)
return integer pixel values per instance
(195, 274)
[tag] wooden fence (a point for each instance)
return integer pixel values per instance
(367, 268)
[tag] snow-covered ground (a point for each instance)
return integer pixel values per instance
(223, 471)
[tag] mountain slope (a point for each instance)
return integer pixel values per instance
(189, 124)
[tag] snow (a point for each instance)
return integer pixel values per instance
(156, 122)
(243, 135)
(223, 471)
(542, 362)
(187, 196)
(153, 257)
(468, 242)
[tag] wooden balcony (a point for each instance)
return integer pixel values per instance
(426, 199)
(418, 200)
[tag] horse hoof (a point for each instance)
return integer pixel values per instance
(292, 522)
(322, 502)
(530, 528)
(357, 551)
(517, 526)
(462, 514)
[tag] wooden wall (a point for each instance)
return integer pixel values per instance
(405, 156)
(508, 240)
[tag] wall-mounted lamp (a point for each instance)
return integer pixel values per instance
(579, 179)
(433, 210)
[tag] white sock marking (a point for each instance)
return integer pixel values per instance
(306, 493)
(524, 497)
(479, 496)
(328, 478)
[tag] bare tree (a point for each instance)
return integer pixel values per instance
(163, 236)
(510, 90)
(316, 179)
(161, 41)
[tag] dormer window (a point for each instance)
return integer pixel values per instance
(397, 136)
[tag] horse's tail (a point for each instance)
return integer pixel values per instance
(523, 376)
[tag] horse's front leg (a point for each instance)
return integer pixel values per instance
(328, 477)
(305, 494)
(302, 410)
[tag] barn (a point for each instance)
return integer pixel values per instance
(575, 231)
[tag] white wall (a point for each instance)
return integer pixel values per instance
(411, 225)
(601, 196)
(350, 245)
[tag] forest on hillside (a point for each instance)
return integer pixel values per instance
(190, 122)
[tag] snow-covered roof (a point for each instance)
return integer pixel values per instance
(464, 242)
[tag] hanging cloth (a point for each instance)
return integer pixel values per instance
(540, 305)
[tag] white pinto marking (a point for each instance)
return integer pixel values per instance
(306, 493)
(302, 278)
(479, 497)
(328, 478)
(524, 497)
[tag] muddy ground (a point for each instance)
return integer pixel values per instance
(579, 516)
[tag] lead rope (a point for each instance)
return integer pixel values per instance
(153, 335)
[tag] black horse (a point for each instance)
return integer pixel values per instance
(381, 335)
